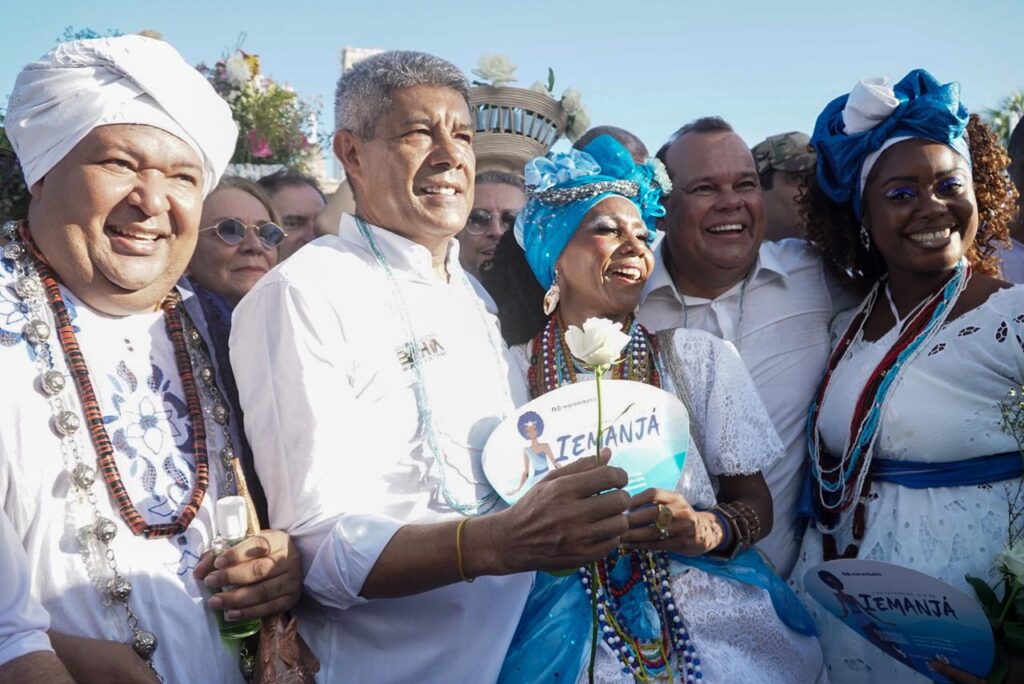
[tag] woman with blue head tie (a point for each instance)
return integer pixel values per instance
(685, 598)
(910, 201)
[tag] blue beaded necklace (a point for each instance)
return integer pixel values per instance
(428, 423)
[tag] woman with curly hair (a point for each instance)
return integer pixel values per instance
(910, 200)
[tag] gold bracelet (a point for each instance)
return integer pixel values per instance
(458, 550)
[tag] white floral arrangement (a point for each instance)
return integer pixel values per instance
(497, 70)
(274, 123)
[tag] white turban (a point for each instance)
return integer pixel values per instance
(83, 84)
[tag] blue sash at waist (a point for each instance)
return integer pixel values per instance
(925, 475)
(552, 641)
(971, 471)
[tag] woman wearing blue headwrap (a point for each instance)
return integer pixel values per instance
(671, 607)
(910, 200)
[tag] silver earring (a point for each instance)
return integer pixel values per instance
(551, 297)
(865, 238)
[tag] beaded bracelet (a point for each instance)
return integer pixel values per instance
(458, 550)
(743, 523)
(750, 517)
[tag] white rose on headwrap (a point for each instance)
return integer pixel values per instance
(497, 69)
(83, 84)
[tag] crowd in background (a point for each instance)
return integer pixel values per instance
(839, 312)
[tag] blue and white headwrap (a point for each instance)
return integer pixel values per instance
(853, 130)
(563, 186)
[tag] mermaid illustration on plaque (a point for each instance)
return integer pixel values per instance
(537, 455)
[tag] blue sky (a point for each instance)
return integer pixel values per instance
(645, 66)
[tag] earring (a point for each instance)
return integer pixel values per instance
(865, 238)
(551, 297)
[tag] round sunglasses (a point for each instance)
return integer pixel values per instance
(232, 231)
(480, 221)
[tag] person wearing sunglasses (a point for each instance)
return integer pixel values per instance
(238, 239)
(498, 198)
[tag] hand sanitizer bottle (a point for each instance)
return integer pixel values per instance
(232, 525)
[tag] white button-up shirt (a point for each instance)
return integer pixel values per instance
(778, 318)
(23, 622)
(337, 420)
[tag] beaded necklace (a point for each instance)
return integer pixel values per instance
(36, 286)
(428, 422)
(834, 476)
(94, 415)
(620, 576)
(553, 365)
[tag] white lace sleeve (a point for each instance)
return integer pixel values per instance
(727, 418)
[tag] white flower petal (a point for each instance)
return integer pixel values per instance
(599, 343)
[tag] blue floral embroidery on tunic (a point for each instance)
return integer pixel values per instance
(150, 426)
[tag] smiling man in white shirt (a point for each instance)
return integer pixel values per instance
(371, 376)
(773, 300)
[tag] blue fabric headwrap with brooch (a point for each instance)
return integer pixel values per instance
(854, 129)
(563, 186)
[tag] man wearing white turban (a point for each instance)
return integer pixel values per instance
(117, 428)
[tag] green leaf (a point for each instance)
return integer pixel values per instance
(985, 594)
(1014, 632)
(551, 80)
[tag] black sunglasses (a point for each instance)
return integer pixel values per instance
(232, 231)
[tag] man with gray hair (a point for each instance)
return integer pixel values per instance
(371, 376)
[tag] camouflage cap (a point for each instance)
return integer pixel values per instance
(784, 152)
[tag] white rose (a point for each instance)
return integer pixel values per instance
(539, 87)
(497, 69)
(598, 344)
(238, 70)
(1011, 559)
(578, 125)
(572, 101)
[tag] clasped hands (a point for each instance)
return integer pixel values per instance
(580, 513)
(264, 574)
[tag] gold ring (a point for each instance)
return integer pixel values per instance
(665, 518)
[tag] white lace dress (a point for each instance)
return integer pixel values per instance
(738, 636)
(945, 407)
